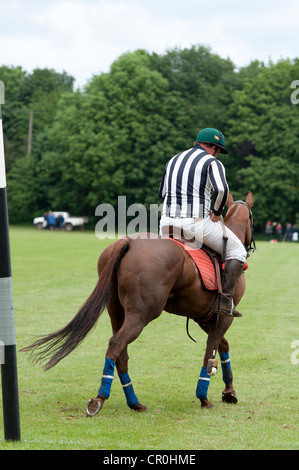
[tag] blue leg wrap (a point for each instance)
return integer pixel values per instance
(132, 400)
(203, 384)
(108, 376)
(227, 374)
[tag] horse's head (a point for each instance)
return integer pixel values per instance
(239, 219)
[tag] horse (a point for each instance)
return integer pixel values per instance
(138, 278)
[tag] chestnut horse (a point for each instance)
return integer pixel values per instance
(138, 279)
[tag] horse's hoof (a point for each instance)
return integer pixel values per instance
(229, 397)
(206, 403)
(139, 407)
(93, 406)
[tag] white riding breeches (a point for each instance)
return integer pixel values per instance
(206, 232)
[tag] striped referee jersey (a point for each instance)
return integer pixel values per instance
(190, 179)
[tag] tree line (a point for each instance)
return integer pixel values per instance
(73, 149)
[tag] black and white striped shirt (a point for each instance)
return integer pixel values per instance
(189, 180)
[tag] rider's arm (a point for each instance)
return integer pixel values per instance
(220, 186)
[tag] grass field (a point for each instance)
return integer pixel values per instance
(54, 272)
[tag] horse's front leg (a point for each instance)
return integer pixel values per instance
(229, 394)
(204, 378)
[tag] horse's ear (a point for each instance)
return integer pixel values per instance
(249, 199)
(230, 199)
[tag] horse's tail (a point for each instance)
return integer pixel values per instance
(57, 345)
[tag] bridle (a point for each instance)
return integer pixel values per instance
(251, 247)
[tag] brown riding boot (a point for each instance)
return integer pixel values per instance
(232, 271)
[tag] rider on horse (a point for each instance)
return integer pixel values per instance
(189, 179)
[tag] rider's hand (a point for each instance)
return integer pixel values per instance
(214, 218)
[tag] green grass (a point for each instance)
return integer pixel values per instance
(54, 272)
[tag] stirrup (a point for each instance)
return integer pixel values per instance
(234, 312)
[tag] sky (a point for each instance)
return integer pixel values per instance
(84, 37)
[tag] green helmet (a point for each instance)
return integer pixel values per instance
(212, 136)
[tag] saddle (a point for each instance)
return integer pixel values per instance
(207, 261)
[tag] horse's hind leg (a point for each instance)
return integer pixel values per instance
(122, 362)
(122, 369)
(117, 355)
(116, 313)
(229, 394)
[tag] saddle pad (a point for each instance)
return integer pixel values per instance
(204, 265)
